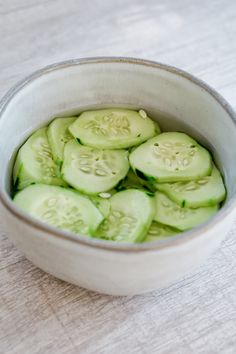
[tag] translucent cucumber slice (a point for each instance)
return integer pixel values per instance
(34, 162)
(131, 215)
(60, 207)
(58, 136)
(203, 192)
(170, 213)
(113, 128)
(133, 181)
(171, 157)
(159, 231)
(91, 170)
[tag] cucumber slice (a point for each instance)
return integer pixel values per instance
(58, 136)
(131, 215)
(171, 157)
(60, 207)
(102, 204)
(34, 162)
(93, 171)
(112, 128)
(157, 128)
(204, 192)
(132, 181)
(170, 213)
(159, 231)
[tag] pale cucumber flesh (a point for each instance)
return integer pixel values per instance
(111, 174)
(58, 136)
(171, 157)
(34, 162)
(91, 170)
(60, 207)
(203, 192)
(113, 128)
(130, 217)
(169, 213)
(102, 204)
(159, 231)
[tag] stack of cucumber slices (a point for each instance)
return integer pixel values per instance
(111, 174)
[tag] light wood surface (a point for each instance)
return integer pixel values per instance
(40, 314)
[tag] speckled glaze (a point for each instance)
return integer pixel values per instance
(179, 102)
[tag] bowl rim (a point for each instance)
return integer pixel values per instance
(104, 244)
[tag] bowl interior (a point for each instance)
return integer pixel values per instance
(176, 100)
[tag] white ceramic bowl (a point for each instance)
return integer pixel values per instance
(181, 102)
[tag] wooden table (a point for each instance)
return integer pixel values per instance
(40, 314)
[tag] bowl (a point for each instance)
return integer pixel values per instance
(178, 101)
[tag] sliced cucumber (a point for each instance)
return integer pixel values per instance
(170, 213)
(130, 217)
(132, 181)
(203, 192)
(171, 157)
(157, 128)
(112, 128)
(34, 162)
(58, 136)
(159, 231)
(91, 170)
(103, 205)
(60, 207)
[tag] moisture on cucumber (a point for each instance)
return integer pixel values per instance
(91, 170)
(130, 217)
(58, 136)
(169, 213)
(60, 207)
(203, 192)
(171, 157)
(34, 163)
(113, 128)
(111, 174)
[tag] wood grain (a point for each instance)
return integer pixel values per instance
(40, 314)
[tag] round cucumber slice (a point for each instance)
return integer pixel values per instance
(113, 128)
(159, 231)
(171, 157)
(91, 170)
(203, 192)
(60, 207)
(130, 217)
(34, 162)
(170, 213)
(58, 136)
